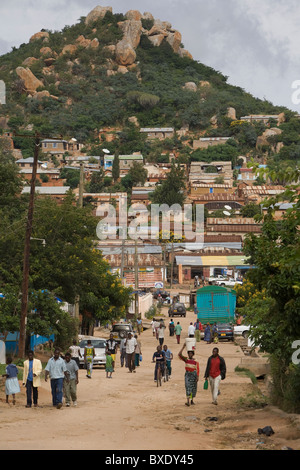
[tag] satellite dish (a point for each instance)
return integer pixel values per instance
(44, 165)
(74, 140)
(228, 208)
(226, 213)
(105, 151)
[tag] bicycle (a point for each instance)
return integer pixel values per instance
(159, 373)
(166, 374)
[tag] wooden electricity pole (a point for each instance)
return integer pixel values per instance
(24, 301)
(25, 280)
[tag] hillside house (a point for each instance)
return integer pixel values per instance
(125, 162)
(55, 192)
(59, 147)
(256, 194)
(264, 118)
(205, 142)
(232, 226)
(216, 201)
(27, 163)
(203, 172)
(160, 133)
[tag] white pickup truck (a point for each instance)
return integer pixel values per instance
(228, 282)
(215, 279)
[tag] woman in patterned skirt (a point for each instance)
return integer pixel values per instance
(191, 375)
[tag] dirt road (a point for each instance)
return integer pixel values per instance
(129, 412)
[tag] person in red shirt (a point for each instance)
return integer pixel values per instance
(215, 372)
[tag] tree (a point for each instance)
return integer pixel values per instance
(116, 167)
(275, 313)
(171, 190)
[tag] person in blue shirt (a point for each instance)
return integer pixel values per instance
(57, 370)
(169, 357)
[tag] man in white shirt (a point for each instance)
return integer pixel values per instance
(191, 331)
(130, 344)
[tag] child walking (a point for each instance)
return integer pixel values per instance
(11, 384)
(109, 367)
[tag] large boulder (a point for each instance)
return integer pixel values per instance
(184, 53)
(29, 61)
(96, 14)
(132, 30)
(31, 83)
(133, 15)
(157, 39)
(190, 86)
(40, 35)
(125, 53)
(174, 39)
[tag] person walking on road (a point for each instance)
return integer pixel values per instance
(171, 327)
(112, 347)
(32, 379)
(89, 354)
(208, 334)
(178, 330)
(57, 370)
(215, 372)
(12, 383)
(137, 352)
(191, 330)
(74, 350)
(161, 333)
(109, 365)
(191, 376)
(123, 356)
(71, 380)
(169, 358)
(130, 344)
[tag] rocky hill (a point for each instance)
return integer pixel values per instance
(112, 69)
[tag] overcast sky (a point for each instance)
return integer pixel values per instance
(254, 42)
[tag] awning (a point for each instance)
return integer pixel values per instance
(237, 261)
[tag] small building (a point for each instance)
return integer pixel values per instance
(264, 118)
(125, 162)
(27, 163)
(55, 192)
(205, 142)
(160, 133)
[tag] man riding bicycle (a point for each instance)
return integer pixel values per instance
(159, 358)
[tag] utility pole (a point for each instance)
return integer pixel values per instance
(136, 272)
(81, 184)
(24, 301)
(25, 280)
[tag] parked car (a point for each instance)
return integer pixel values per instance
(225, 331)
(99, 345)
(215, 279)
(121, 330)
(177, 309)
(228, 282)
(241, 330)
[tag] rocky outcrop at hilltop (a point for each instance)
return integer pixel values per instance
(96, 14)
(132, 29)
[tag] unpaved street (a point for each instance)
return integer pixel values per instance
(129, 412)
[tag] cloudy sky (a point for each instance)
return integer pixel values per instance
(254, 42)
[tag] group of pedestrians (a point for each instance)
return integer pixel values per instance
(63, 373)
(215, 370)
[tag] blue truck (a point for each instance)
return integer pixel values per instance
(216, 304)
